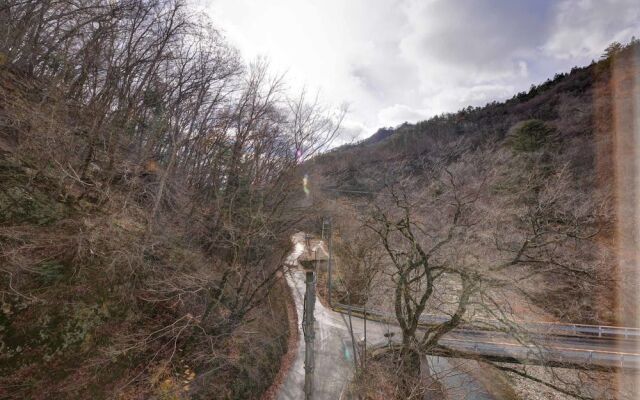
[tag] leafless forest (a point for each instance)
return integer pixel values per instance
(147, 180)
(494, 215)
(151, 180)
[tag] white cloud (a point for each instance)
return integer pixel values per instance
(400, 113)
(397, 60)
(583, 28)
(351, 131)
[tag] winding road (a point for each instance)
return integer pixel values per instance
(334, 352)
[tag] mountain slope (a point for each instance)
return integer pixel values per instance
(562, 131)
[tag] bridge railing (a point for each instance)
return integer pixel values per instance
(543, 328)
(548, 356)
(523, 354)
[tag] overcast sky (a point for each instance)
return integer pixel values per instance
(406, 60)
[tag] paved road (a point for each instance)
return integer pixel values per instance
(333, 363)
(334, 356)
(334, 353)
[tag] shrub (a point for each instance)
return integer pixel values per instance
(530, 135)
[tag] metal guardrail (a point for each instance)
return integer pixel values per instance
(554, 357)
(601, 331)
(548, 356)
(544, 328)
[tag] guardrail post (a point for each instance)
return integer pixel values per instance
(599, 331)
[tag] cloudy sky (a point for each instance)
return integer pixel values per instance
(406, 60)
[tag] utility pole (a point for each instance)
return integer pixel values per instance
(330, 233)
(353, 339)
(308, 322)
(364, 358)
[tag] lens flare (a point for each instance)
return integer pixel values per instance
(619, 153)
(305, 185)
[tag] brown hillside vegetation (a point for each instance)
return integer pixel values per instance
(518, 211)
(146, 183)
(547, 154)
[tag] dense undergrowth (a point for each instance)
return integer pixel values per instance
(148, 179)
(96, 306)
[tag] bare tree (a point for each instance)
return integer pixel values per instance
(454, 253)
(143, 110)
(359, 261)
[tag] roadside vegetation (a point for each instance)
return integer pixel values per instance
(493, 215)
(147, 177)
(151, 179)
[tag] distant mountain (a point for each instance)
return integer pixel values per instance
(577, 104)
(574, 125)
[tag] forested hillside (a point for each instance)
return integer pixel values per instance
(151, 181)
(146, 182)
(541, 164)
(577, 104)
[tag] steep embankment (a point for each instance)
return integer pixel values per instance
(147, 196)
(99, 297)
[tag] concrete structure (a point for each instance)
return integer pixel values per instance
(315, 256)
